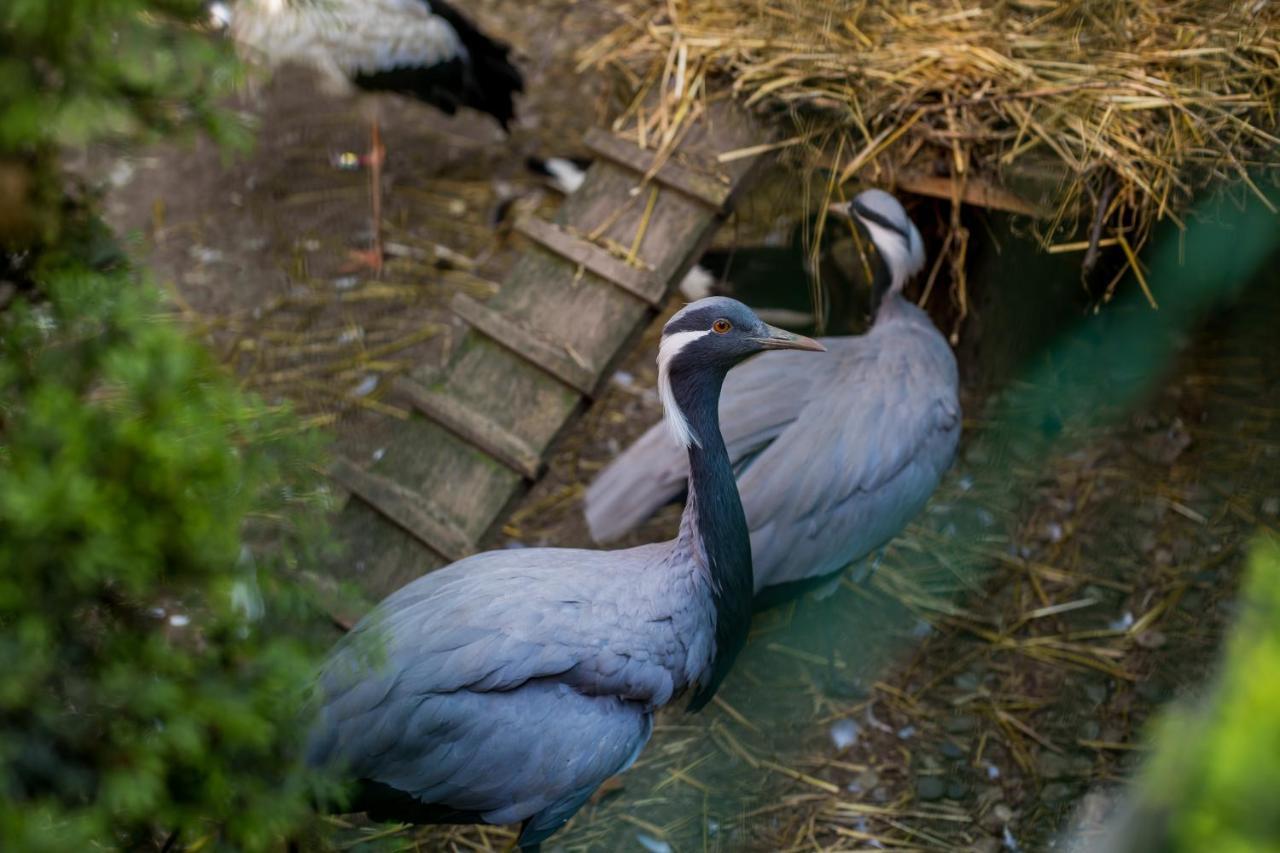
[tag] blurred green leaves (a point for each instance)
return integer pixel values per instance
(79, 70)
(154, 519)
(1211, 783)
(134, 694)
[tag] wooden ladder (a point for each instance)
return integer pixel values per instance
(536, 351)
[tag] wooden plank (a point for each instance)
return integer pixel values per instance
(711, 188)
(472, 426)
(634, 280)
(565, 307)
(403, 506)
(528, 344)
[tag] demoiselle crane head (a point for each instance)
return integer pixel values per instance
(699, 345)
(896, 238)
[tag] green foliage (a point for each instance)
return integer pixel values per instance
(78, 70)
(1212, 782)
(152, 516)
(128, 465)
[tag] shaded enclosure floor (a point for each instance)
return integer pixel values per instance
(1002, 662)
(1005, 658)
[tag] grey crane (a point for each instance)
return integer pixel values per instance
(507, 686)
(833, 456)
(423, 49)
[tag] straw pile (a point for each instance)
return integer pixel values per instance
(1097, 117)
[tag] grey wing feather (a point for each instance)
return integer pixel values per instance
(760, 399)
(887, 433)
(506, 684)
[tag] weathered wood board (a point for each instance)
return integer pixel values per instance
(535, 352)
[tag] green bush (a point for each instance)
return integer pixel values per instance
(152, 516)
(127, 469)
(1211, 783)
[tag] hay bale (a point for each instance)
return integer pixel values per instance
(1096, 117)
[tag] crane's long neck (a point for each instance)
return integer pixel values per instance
(714, 525)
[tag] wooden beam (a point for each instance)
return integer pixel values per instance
(711, 189)
(527, 344)
(405, 507)
(473, 427)
(638, 282)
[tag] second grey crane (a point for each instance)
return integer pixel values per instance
(507, 686)
(833, 456)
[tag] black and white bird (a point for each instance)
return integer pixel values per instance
(833, 456)
(421, 49)
(507, 686)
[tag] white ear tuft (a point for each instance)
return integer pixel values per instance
(894, 253)
(677, 423)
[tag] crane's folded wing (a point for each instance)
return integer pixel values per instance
(761, 398)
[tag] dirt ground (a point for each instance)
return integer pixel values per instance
(254, 247)
(1004, 659)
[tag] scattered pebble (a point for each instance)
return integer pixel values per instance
(345, 282)
(960, 723)
(157, 612)
(1096, 691)
(713, 826)
(1011, 843)
(205, 255)
(930, 788)
(1271, 506)
(1151, 639)
(966, 483)
(653, 845)
(366, 386)
(1053, 530)
(993, 772)
(1124, 623)
(844, 734)
(1056, 792)
(311, 245)
(624, 379)
(862, 826)
(379, 453)
(179, 620)
(906, 732)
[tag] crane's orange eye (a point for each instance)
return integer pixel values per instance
(721, 326)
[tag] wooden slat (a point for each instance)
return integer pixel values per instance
(403, 506)
(511, 369)
(472, 426)
(637, 282)
(527, 344)
(703, 186)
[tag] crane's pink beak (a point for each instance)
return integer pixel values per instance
(782, 339)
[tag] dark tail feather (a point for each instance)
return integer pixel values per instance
(492, 80)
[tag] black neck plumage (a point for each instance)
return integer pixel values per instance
(880, 286)
(714, 514)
